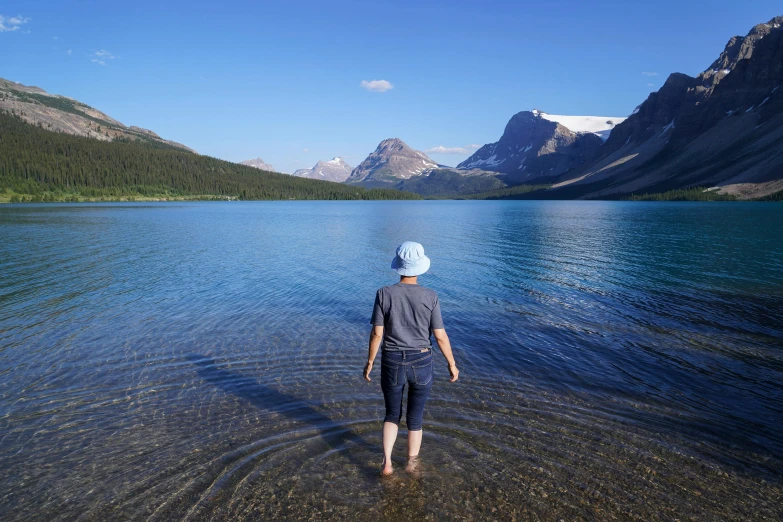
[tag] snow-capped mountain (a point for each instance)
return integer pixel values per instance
(259, 164)
(392, 161)
(336, 169)
(535, 144)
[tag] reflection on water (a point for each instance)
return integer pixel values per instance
(203, 361)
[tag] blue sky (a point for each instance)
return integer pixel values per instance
(282, 80)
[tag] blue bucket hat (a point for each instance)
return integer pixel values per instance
(410, 260)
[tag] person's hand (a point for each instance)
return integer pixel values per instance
(367, 370)
(454, 372)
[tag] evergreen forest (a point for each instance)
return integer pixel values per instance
(41, 165)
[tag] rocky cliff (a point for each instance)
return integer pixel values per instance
(722, 129)
(62, 114)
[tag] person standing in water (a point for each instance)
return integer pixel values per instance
(404, 317)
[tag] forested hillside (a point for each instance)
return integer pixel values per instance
(449, 184)
(50, 166)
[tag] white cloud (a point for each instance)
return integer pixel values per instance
(648, 73)
(376, 85)
(102, 56)
(305, 150)
(650, 85)
(12, 23)
(69, 52)
(440, 149)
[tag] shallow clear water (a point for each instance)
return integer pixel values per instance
(203, 361)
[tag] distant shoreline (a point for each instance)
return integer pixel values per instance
(192, 199)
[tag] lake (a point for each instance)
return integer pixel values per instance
(204, 361)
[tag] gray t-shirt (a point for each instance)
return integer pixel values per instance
(408, 314)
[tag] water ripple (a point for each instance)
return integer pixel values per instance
(203, 361)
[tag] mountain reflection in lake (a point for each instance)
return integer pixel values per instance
(203, 361)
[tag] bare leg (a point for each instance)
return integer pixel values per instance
(389, 436)
(414, 445)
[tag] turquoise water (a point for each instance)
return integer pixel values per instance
(203, 361)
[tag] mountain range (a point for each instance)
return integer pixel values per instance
(720, 131)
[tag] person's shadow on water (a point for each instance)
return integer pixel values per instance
(336, 436)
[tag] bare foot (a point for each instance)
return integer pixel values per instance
(414, 465)
(387, 468)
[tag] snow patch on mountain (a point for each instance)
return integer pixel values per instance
(601, 126)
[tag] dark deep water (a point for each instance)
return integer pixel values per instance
(203, 361)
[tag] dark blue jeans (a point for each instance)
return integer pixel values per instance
(413, 368)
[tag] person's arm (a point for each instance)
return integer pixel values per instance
(439, 331)
(376, 336)
(445, 348)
